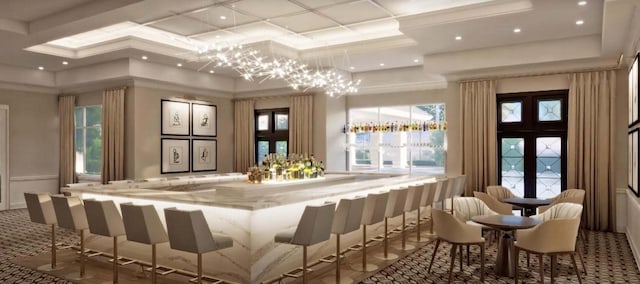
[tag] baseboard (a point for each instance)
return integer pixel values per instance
(634, 248)
(33, 178)
(18, 205)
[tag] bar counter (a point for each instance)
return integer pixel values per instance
(249, 213)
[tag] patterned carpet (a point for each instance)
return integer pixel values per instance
(609, 259)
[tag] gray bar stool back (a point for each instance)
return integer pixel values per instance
(70, 214)
(347, 219)
(143, 225)
(41, 211)
(314, 227)
(105, 220)
(188, 231)
(395, 207)
(375, 207)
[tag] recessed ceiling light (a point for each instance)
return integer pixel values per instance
(223, 17)
(579, 22)
(381, 64)
(40, 68)
(458, 38)
(352, 68)
(517, 30)
(144, 57)
(217, 36)
(211, 71)
(65, 63)
(416, 60)
(179, 64)
(582, 3)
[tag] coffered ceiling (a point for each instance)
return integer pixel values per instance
(443, 37)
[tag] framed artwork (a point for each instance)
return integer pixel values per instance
(175, 155)
(633, 91)
(204, 120)
(205, 154)
(175, 118)
(634, 154)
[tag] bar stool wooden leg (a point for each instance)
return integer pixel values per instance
(153, 263)
(199, 268)
(81, 253)
(386, 249)
(364, 267)
(337, 258)
(304, 264)
(53, 246)
(115, 259)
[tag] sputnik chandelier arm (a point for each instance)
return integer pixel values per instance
(252, 65)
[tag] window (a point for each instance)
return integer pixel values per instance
(383, 146)
(532, 138)
(88, 121)
(272, 132)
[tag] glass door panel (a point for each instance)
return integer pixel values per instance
(512, 164)
(281, 148)
(548, 166)
(262, 150)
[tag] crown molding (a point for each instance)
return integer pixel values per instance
(28, 88)
(156, 84)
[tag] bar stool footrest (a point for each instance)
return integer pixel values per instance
(162, 270)
(206, 278)
(296, 273)
(123, 261)
(92, 253)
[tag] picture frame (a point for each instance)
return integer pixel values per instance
(634, 100)
(204, 118)
(175, 155)
(175, 118)
(634, 155)
(204, 155)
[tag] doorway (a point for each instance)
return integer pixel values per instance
(4, 157)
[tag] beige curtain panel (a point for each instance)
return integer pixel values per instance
(301, 124)
(590, 145)
(66, 110)
(113, 134)
(479, 149)
(244, 145)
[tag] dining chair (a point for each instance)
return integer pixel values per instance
(465, 208)
(450, 229)
(556, 235)
(494, 204)
(500, 192)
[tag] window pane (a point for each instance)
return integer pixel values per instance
(263, 122)
(94, 115)
(548, 166)
(281, 148)
(511, 112)
(93, 151)
(263, 149)
(282, 121)
(79, 140)
(550, 110)
(512, 164)
(79, 117)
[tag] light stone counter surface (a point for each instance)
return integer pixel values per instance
(251, 214)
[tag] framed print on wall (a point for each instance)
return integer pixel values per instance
(204, 120)
(205, 154)
(634, 154)
(175, 155)
(175, 118)
(633, 91)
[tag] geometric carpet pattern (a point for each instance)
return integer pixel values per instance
(608, 259)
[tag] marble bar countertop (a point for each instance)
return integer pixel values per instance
(235, 192)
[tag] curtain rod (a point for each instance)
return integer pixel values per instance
(568, 72)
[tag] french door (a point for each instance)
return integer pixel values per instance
(532, 139)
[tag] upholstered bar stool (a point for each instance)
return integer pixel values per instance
(440, 196)
(41, 211)
(347, 219)
(70, 215)
(428, 195)
(451, 191)
(142, 225)
(412, 203)
(105, 220)
(314, 227)
(188, 231)
(375, 207)
(395, 207)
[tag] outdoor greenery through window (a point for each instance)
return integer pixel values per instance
(418, 150)
(88, 139)
(272, 132)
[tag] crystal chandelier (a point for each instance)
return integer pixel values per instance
(252, 65)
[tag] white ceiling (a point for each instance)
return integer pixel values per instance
(353, 35)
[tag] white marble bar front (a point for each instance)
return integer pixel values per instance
(251, 214)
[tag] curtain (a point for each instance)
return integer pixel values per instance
(479, 149)
(66, 111)
(243, 124)
(591, 144)
(301, 124)
(113, 134)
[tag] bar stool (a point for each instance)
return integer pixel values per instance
(375, 207)
(70, 215)
(451, 191)
(142, 225)
(440, 196)
(458, 189)
(347, 219)
(314, 227)
(188, 231)
(395, 207)
(412, 203)
(41, 211)
(105, 220)
(428, 195)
